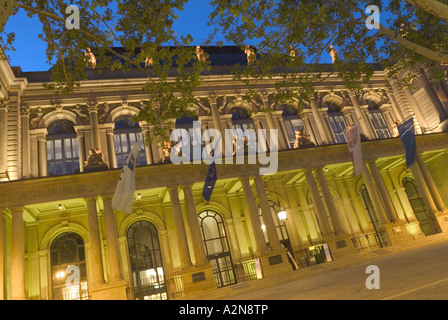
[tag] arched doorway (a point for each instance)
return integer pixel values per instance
(68, 267)
(418, 206)
(146, 262)
(369, 239)
(217, 247)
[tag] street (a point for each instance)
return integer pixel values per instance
(420, 274)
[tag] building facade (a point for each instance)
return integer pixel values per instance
(61, 238)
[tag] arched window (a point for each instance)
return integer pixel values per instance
(217, 247)
(186, 123)
(68, 267)
(241, 119)
(243, 127)
(62, 148)
(377, 119)
(337, 121)
(280, 226)
(126, 135)
(368, 205)
(146, 262)
(417, 203)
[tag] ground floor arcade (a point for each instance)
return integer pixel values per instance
(61, 239)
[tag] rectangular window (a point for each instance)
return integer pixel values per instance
(291, 126)
(62, 156)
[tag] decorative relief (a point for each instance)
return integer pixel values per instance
(82, 114)
(36, 116)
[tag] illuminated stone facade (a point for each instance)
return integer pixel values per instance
(61, 239)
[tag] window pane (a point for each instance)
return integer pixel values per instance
(58, 149)
(68, 148)
(50, 150)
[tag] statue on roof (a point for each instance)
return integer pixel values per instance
(250, 54)
(333, 54)
(92, 59)
(200, 53)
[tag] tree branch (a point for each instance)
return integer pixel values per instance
(428, 53)
(434, 7)
(87, 34)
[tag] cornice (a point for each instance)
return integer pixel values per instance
(59, 188)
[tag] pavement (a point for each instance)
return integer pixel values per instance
(417, 274)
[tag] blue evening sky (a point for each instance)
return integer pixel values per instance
(30, 50)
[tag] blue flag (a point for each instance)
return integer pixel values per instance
(210, 181)
(407, 136)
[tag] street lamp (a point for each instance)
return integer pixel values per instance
(281, 215)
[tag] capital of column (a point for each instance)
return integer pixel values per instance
(92, 106)
(212, 99)
(4, 106)
(15, 210)
(106, 197)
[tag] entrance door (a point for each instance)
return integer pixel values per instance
(146, 262)
(217, 247)
(418, 206)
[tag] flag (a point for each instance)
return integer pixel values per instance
(210, 179)
(354, 146)
(124, 193)
(407, 136)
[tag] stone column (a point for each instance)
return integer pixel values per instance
(148, 152)
(320, 125)
(112, 240)
(3, 136)
(2, 256)
(431, 185)
(270, 121)
(17, 255)
(95, 256)
(25, 131)
(398, 115)
(111, 147)
(42, 152)
(318, 205)
(213, 100)
(416, 109)
(334, 215)
(194, 228)
(81, 149)
(374, 196)
(423, 188)
(426, 195)
(267, 215)
(260, 244)
(179, 226)
(94, 126)
(384, 194)
(366, 128)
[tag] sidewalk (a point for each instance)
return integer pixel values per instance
(437, 290)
